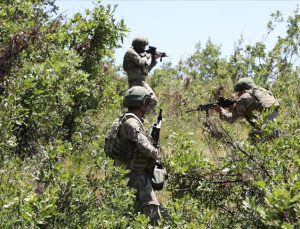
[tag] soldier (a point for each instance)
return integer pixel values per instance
(251, 99)
(133, 137)
(137, 63)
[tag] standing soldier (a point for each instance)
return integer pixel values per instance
(137, 145)
(137, 63)
(251, 99)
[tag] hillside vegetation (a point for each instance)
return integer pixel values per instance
(60, 90)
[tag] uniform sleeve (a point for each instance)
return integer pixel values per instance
(136, 58)
(136, 134)
(240, 109)
(152, 63)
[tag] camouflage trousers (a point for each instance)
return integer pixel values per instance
(142, 83)
(144, 192)
(146, 201)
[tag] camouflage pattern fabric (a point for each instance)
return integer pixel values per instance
(137, 65)
(265, 97)
(145, 195)
(252, 100)
(144, 156)
(141, 83)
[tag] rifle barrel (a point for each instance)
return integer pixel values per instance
(191, 110)
(225, 103)
(203, 107)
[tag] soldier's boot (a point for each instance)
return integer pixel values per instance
(153, 212)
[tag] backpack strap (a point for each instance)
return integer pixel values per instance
(129, 115)
(125, 117)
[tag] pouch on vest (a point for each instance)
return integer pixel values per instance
(157, 175)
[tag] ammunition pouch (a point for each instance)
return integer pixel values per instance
(157, 175)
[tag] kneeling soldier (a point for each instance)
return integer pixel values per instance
(251, 99)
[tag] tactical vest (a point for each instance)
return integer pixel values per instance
(116, 148)
(265, 97)
(134, 71)
(265, 100)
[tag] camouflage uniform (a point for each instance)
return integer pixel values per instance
(132, 130)
(137, 63)
(133, 136)
(254, 99)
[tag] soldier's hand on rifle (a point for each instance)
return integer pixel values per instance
(158, 55)
(218, 109)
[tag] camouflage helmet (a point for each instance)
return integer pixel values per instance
(245, 83)
(136, 96)
(139, 42)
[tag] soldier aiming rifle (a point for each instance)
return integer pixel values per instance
(138, 62)
(252, 100)
(152, 51)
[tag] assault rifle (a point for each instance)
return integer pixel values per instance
(157, 173)
(152, 51)
(156, 129)
(222, 102)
